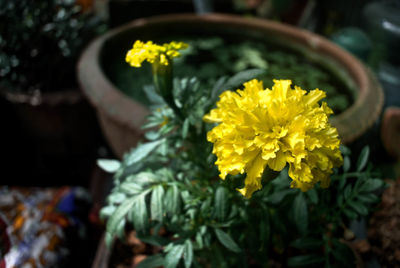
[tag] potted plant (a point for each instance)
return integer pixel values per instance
(117, 91)
(39, 45)
(243, 177)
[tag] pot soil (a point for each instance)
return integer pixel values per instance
(55, 135)
(116, 90)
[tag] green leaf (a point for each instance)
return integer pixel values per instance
(152, 95)
(371, 185)
(152, 261)
(139, 215)
(307, 243)
(345, 150)
(350, 213)
(157, 241)
(300, 213)
(238, 79)
(173, 256)
(343, 254)
(172, 200)
(305, 261)
(221, 203)
(216, 90)
(199, 241)
(119, 214)
(368, 198)
(347, 192)
(188, 253)
(265, 228)
(121, 229)
(363, 158)
(109, 165)
(312, 195)
(116, 198)
(185, 128)
(227, 241)
(156, 204)
(131, 188)
(358, 207)
(278, 196)
(346, 164)
(144, 178)
(141, 151)
(109, 238)
(106, 212)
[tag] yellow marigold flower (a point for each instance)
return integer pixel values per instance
(153, 53)
(269, 128)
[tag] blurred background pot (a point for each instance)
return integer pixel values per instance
(120, 101)
(54, 135)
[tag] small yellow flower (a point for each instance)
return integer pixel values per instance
(269, 128)
(153, 53)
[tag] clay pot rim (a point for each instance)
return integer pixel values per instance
(107, 96)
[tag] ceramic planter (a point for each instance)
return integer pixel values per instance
(121, 116)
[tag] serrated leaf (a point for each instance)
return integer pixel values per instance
(141, 151)
(278, 196)
(312, 195)
(188, 253)
(116, 198)
(300, 213)
(305, 260)
(199, 241)
(226, 240)
(152, 95)
(108, 240)
(185, 128)
(221, 203)
(152, 135)
(358, 207)
(265, 227)
(156, 204)
(131, 188)
(307, 243)
(144, 178)
(173, 256)
(121, 229)
(172, 200)
(109, 165)
(217, 86)
(238, 79)
(371, 185)
(140, 216)
(152, 261)
(346, 164)
(119, 214)
(347, 192)
(157, 241)
(342, 253)
(344, 150)
(368, 198)
(363, 158)
(350, 213)
(106, 212)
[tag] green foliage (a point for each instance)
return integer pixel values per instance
(171, 181)
(40, 42)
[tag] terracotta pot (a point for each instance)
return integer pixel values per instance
(122, 116)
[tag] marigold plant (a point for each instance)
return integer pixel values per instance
(170, 181)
